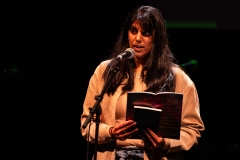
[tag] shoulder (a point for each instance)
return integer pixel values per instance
(182, 78)
(102, 66)
(177, 70)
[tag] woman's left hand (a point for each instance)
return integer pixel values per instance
(151, 140)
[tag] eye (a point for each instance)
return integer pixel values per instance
(146, 33)
(133, 30)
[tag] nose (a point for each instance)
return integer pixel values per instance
(139, 37)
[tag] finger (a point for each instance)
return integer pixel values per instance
(125, 124)
(151, 133)
(155, 137)
(150, 139)
(146, 143)
(127, 134)
(130, 129)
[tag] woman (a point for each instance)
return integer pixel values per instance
(151, 69)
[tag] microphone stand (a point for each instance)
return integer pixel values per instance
(96, 109)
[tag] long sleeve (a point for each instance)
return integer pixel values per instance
(94, 88)
(192, 125)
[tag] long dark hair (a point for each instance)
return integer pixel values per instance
(156, 72)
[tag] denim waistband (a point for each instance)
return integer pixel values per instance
(129, 153)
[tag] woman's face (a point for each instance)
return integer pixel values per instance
(140, 40)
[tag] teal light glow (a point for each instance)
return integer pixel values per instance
(191, 24)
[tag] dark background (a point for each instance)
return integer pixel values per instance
(55, 47)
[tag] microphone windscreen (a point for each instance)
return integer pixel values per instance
(131, 51)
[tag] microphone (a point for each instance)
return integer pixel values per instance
(129, 54)
(192, 63)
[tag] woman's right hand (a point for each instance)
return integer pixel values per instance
(124, 130)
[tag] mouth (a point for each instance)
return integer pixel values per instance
(137, 48)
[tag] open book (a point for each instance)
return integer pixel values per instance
(161, 112)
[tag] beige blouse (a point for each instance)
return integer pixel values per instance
(121, 113)
(114, 108)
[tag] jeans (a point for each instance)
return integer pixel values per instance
(129, 153)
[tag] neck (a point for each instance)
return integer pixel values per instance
(137, 72)
(139, 61)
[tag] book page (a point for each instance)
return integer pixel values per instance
(169, 102)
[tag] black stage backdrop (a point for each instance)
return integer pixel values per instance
(50, 50)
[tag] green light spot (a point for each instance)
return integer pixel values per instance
(191, 24)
